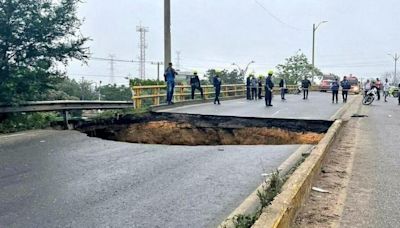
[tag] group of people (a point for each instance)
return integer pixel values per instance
(254, 87)
(379, 86)
(335, 86)
(169, 77)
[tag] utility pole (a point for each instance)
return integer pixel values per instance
(99, 90)
(167, 32)
(395, 58)
(178, 60)
(158, 68)
(112, 62)
(142, 46)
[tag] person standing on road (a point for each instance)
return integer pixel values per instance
(367, 87)
(378, 85)
(248, 83)
(217, 85)
(269, 85)
(169, 77)
(346, 86)
(254, 85)
(335, 90)
(386, 87)
(305, 85)
(282, 86)
(398, 93)
(195, 84)
(260, 87)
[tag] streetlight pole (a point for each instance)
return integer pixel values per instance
(158, 69)
(395, 58)
(313, 46)
(243, 72)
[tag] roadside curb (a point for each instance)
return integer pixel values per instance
(252, 203)
(296, 190)
(284, 207)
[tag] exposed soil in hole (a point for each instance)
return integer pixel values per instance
(184, 129)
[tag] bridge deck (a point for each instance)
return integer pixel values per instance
(318, 106)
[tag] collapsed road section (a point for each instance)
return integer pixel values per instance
(189, 129)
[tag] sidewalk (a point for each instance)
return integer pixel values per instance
(373, 194)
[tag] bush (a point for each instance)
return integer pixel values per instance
(27, 121)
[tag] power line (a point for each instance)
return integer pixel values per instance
(277, 18)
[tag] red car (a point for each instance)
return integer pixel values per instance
(325, 85)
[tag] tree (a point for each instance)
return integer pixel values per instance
(227, 77)
(36, 37)
(296, 68)
(116, 93)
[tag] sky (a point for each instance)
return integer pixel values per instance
(356, 40)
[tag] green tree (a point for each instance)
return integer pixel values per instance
(296, 68)
(227, 77)
(36, 37)
(116, 93)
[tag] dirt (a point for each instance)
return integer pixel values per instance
(325, 209)
(184, 133)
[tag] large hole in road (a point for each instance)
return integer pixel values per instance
(188, 129)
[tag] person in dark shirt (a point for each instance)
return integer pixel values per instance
(260, 87)
(269, 85)
(305, 84)
(195, 84)
(335, 90)
(282, 86)
(346, 86)
(248, 83)
(217, 85)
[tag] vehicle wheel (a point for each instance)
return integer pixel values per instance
(368, 100)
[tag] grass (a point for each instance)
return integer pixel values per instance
(271, 188)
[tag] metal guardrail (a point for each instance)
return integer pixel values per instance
(156, 94)
(65, 105)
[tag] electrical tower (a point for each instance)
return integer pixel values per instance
(178, 60)
(142, 46)
(112, 76)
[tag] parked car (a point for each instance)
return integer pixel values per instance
(325, 85)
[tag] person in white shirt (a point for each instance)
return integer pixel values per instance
(386, 86)
(367, 87)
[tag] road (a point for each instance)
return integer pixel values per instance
(373, 197)
(318, 106)
(66, 179)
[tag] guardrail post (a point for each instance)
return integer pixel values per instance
(182, 92)
(67, 126)
(137, 99)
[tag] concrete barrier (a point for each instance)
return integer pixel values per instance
(284, 207)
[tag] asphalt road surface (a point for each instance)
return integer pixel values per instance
(318, 106)
(373, 195)
(66, 179)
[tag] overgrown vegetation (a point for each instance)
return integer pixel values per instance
(27, 121)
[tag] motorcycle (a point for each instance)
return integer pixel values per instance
(370, 96)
